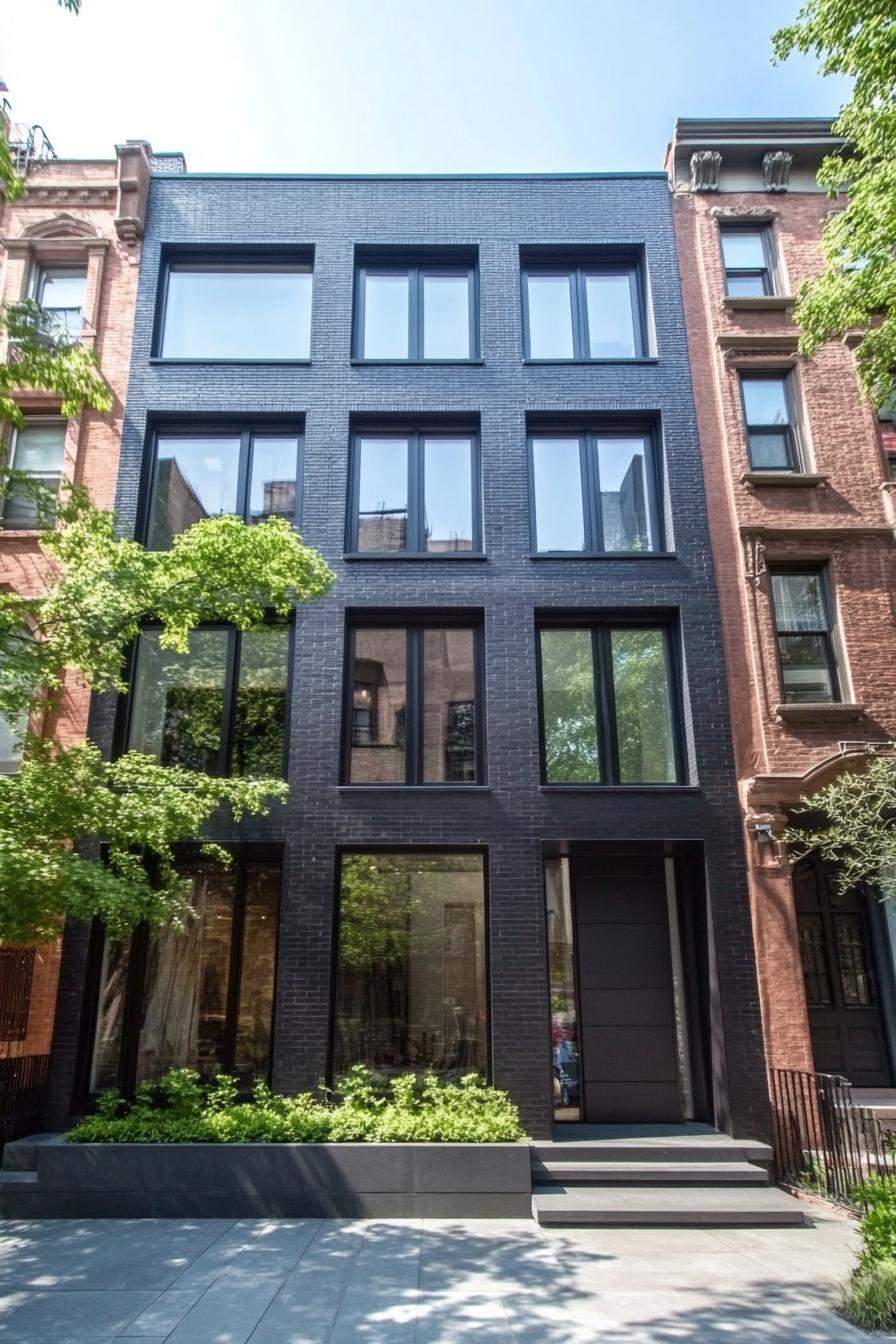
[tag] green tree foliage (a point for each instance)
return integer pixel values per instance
(857, 290)
(859, 834)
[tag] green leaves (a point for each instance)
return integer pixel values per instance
(859, 837)
(38, 360)
(856, 38)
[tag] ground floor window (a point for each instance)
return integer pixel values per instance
(411, 978)
(202, 999)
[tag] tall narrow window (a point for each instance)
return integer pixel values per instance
(590, 308)
(805, 637)
(768, 413)
(410, 970)
(594, 491)
(415, 492)
(609, 705)
(36, 450)
(747, 256)
(413, 711)
(236, 309)
(252, 473)
(414, 308)
(60, 292)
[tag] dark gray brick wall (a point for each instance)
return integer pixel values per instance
(512, 820)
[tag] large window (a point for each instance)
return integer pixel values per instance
(805, 636)
(60, 292)
(594, 491)
(413, 714)
(609, 705)
(236, 309)
(36, 450)
(219, 708)
(411, 308)
(772, 436)
(590, 308)
(415, 492)
(202, 999)
(197, 474)
(747, 254)
(410, 982)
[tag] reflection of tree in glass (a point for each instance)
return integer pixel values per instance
(261, 704)
(643, 720)
(570, 727)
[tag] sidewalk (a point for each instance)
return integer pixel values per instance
(418, 1282)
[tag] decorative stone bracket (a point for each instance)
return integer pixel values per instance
(705, 167)
(776, 165)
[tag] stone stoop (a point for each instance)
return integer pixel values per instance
(684, 1178)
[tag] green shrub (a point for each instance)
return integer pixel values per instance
(869, 1299)
(878, 1227)
(179, 1109)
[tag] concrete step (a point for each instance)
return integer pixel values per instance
(551, 1172)
(21, 1154)
(554, 1206)
(16, 1180)
(711, 1148)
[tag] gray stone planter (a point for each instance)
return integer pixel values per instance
(46, 1177)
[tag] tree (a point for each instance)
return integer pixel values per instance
(858, 836)
(858, 287)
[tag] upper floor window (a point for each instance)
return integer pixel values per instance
(609, 707)
(412, 715)
(748, 256)
(415, 492)
(36, 449)
(236, 309)
(414, 308)
(771, 424)
(590, 309)
(594, 491)
(60, 292)
(220, 708)
(250, 472)
(805, 636)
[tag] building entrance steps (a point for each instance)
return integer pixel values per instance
(668, 1175)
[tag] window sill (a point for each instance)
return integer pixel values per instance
(414, 788)
(620, 788)
(822, 712)
(623, 359)
(637, 556)
(199, 360)
(787, 479)
(416, 363)
(758, 303)
(888, 487)
(407, 557)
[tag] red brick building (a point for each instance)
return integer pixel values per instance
(72, 242)
(800, 490)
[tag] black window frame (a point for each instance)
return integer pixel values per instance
(601, 627)
(416, 432)
(576, 266)
(789, 434)
(830, 634)
(243, 857)
(588, 432)
(298, 257)
(233, 662)
(414, 624)
(210, 427)
(768, 274)
(416, 264)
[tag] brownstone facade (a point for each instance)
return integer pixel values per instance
(825, 963)
(78, 225)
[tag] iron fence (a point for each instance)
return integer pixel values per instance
(824, 1142)
(16, 974)
(23, 1093)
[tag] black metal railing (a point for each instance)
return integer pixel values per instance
(23, 1094)
(824, 1142)
(16, 974)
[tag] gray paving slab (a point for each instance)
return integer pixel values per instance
(227, 1312)
(78, 1314)
(163, 1314)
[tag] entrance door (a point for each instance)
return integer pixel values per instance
(841, 979)
(629, 1042)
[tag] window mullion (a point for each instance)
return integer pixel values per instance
(243, 474)
(591, 485)
(607, 702)
(416, 497)
(601, 707)
(228, 714)
(414, 706)
(415, 313)
(581, 345)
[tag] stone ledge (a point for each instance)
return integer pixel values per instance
(758, 303)
(819, 713)
(788, 479)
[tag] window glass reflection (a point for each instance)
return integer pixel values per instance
(260, 724)
(557, 477)
(38, 451)
(386, 320)
(625, 518)
(446, 316)
(641, 691)
(550, 317)
(379, 690)
(272, 488)
(570, 720)
(611, 323)
(252, 312)
(177, 701)
(196, 478)
(449, 707)
(448, 478)
(410, 992)
(564, 1026)
(383, 495)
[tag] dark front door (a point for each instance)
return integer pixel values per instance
(629, 1044)
(841, 977)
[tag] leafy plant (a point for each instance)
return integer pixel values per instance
(869, 1298)
(178, 1109)
(859, 835)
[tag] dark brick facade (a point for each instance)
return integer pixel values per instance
(514, 815)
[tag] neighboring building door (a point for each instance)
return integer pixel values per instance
(842, 978)
(628, 1039)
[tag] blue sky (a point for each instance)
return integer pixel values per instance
(399, 85)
